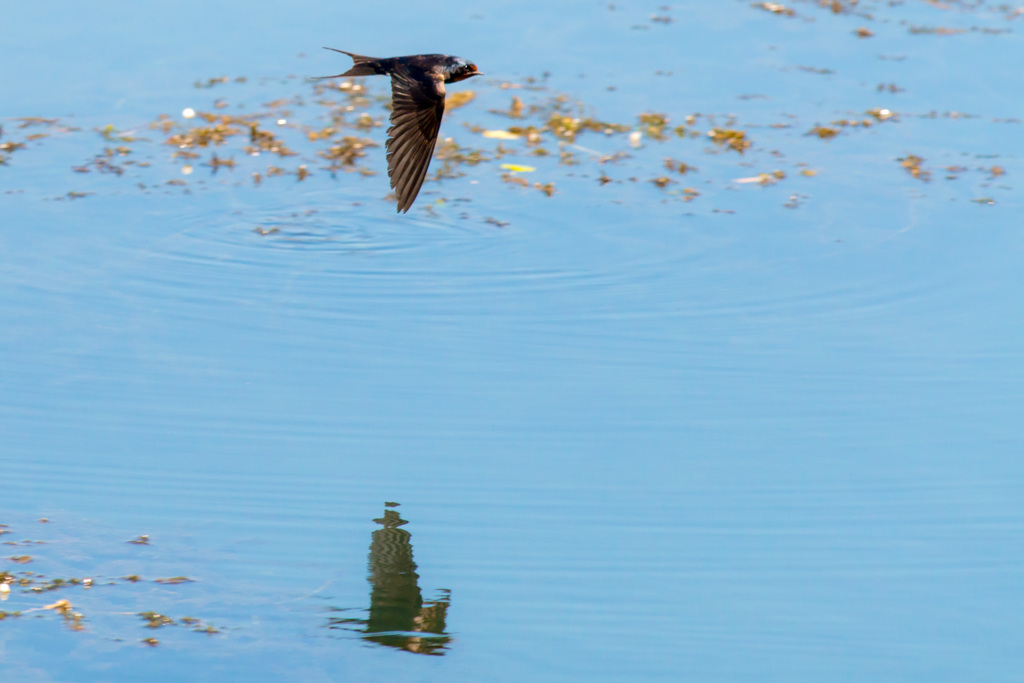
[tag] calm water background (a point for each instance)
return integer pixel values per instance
(636, 438)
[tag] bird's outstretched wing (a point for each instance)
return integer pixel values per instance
(417, 107)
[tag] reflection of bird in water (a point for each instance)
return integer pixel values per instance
(398, 615)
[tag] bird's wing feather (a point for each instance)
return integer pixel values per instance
(417, 107)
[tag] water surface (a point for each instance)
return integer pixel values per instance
(760, 420)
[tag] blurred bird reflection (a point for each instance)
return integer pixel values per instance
(398, 615)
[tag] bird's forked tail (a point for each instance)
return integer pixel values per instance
(364, 66)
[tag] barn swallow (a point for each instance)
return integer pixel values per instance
(417, 104)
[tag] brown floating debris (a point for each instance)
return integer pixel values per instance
(216, 163)
(347, 151)
(936, 30)
(156, 620)
(775, 8)
(210, 82)
(514, 111)
(653, 125)
(459, 99)
(548, 189)
(889, 87)
(795, 201)
(61, 606)
(912, 164)
(881, 114)
(838, 6)
(732, 139)
(815, 70)
(73, 620)
(174, 580)
(542, 120)
(824, 132)
(679, 166)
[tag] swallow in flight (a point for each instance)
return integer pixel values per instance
(417, 104)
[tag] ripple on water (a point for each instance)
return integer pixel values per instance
(347, 261)
(591, 265)
(373, 259)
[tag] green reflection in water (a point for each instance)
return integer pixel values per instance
(398, 615)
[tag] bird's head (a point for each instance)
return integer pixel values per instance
(458, 69)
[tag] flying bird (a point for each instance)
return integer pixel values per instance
(417, 104)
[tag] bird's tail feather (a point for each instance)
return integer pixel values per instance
(364, 66)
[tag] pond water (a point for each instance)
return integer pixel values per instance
(701, 357)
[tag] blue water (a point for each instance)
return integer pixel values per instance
(770, 433)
